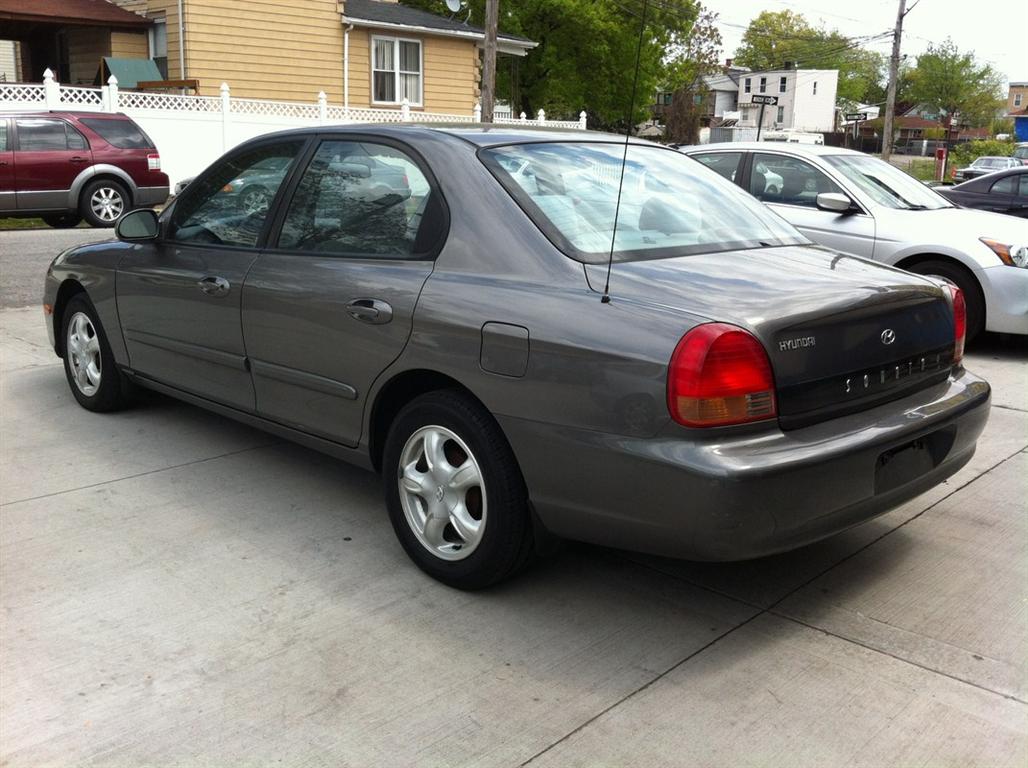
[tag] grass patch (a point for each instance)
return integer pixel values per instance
(23, 224)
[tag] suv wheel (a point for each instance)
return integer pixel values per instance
(455, 494)
(62, 220)
(103, 202)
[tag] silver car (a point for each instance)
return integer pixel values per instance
(859, 204)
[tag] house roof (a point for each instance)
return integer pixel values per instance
(90, 12)
(129, 72)
(721, 82)
(383, 14)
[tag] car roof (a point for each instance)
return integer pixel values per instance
(792, 148)
(76, 113)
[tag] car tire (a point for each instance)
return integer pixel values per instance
(974, 299)
(103, 202)
(456, 497)
(93, 376)
(62, 220)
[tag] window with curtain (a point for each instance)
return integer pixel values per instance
(159, 46)
(396, 71)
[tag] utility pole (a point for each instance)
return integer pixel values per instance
(890, 96)
(492, 20)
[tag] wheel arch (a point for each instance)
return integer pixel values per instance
(122, 180)
(395, 394)
(909, 262)
(68, 289)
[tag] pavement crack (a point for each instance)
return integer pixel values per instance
(158, 470)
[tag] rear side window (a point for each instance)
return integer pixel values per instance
(362, 199)
(1022, 189)
(123, 134)
(724, 163)
(48, 135)
(1004, 186)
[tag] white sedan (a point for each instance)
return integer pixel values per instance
(859, 204)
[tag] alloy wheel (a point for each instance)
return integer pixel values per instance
(107, 204)
(442, 492)
(83, 349)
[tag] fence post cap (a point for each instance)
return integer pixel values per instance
(224, 88)
(582, 114)
(112, 80)
(322, 96)
(48, 74)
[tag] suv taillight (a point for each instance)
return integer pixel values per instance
(719, 375)
(153, 162)
(959, 321)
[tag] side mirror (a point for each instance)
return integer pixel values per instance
(140, 224)
(834, 202)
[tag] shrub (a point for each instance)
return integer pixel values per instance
(965, 154)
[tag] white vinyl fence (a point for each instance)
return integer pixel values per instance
(192, 131)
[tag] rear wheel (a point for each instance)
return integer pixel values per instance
(89, 365)
(966, 282)
(103, 202)
(62, 220)
(455, 494)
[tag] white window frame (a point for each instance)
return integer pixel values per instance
(1017, 99)
(815, 88)
(763, 85)
(748, 85)
(151, 40)
(396, 72)
(781, 115)
(782, 84)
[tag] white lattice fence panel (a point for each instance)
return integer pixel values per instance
(21, 93)
(365, 115)
(81, 97)
(168, 101)
(560, 124)
(439, 117)
(264, 108)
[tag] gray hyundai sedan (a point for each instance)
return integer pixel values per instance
(526, 354)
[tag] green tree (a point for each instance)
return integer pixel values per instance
(954, 83)
(775, 37)
(586, 53)
(693, 56)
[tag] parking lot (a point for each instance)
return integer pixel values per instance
(178, 589)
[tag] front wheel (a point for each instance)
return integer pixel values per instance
(455, 494)
(103, 202)
(974, 299)
(89, 365)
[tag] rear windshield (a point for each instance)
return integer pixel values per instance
(123, 134)
(670, 204)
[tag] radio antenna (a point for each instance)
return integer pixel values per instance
(624, 157)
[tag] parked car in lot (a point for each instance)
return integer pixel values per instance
(1021, 152)
(859, 204)
(68, 166)
(1001, 192)
(738, 390)
(983, 165)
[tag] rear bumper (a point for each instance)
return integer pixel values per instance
(740, 496)
(146, 197)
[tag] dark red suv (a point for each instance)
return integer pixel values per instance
(69, 166)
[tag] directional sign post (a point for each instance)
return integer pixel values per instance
(763, 101)
(856, 118)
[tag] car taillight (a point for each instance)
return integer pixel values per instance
(959, 321)
(153, 162)
(719, 375)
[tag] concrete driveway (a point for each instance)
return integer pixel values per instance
(178, 589)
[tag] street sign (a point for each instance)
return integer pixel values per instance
(855, 117)
(757, 99)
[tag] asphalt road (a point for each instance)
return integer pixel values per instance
(26, 253)
(178, 589)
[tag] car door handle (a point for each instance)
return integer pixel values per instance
(214, 286)
(371, 311)
(79, 159)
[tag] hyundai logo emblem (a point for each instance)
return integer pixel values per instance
(888, 336)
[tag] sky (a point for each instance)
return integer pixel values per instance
(998, 35)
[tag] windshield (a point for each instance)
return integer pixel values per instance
(671, 205)
(886, 184)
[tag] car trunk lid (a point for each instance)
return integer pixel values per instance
(843, 334)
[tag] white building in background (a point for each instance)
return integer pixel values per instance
(806, 99)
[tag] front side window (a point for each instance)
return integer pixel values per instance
(3, 136)
(396, 71)
(229, 204)
(886, 184)
(362, 200)
(788, 180)
(48, 135)
(669, 205)
(724, 164)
